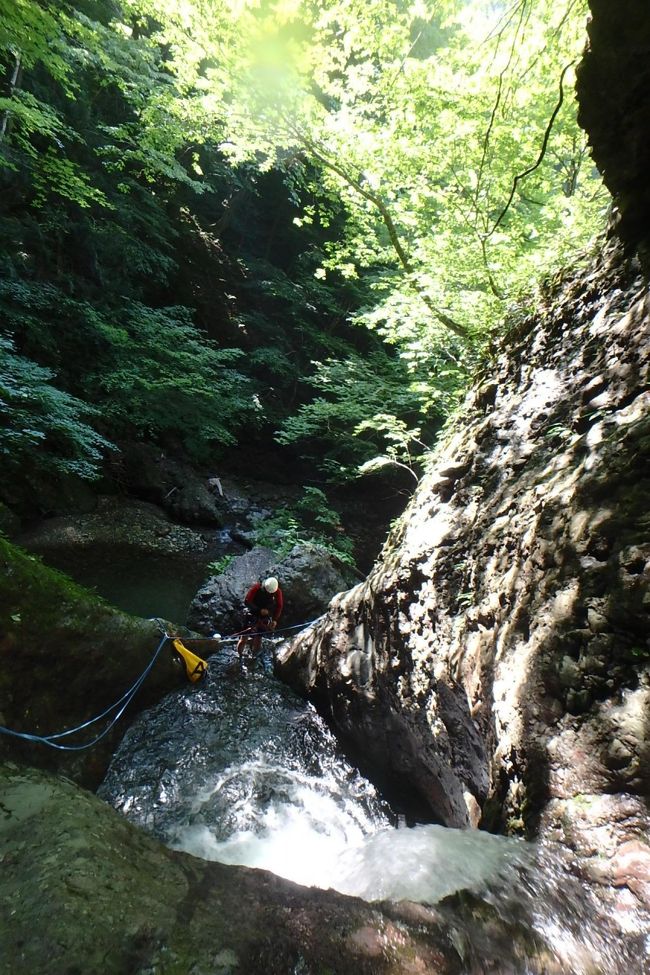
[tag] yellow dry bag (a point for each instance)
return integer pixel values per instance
(195, 667)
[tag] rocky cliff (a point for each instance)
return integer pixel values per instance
(613, 81)
(495, 664)
(497, 655)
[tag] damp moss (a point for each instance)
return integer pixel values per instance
(65, 656)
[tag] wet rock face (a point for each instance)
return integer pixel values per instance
(614, 97)
(497, 656)
(608, 835)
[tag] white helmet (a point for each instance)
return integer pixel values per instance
(271, 584)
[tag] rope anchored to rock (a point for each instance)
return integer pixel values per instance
(52, 741)
(195, 668)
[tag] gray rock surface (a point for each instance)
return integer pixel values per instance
(115, 521)
(309, 578)
(219, 604)
(497, 657)
(83, 890)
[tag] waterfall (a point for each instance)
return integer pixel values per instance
(238, 769)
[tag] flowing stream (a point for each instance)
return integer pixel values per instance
(238, 769)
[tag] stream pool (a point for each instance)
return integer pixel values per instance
(137, 582)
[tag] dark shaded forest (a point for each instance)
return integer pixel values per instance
(197, 255)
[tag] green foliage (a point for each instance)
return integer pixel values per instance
(31, 31)
(43, 428)
(310, 521)
(368, 406)
(162, 378)
(151, 373)
(32, 117)
(431, 127)
(334, 190)
(63, 178)
(219, 566)
(78, 52)
(110, 225)
(422, 119)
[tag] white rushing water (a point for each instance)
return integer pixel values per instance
(315, 839)
(241, 771)
(300, 832)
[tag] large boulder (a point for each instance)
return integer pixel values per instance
(219, 604)
(147, 472)
(85, 891)
(309, 577)
(66, 656)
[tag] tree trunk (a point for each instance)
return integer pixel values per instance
(14, 82)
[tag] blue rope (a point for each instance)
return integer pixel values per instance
(125, 700)
(52, 740)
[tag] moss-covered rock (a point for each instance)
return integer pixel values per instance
(115, 521)
(65, 657)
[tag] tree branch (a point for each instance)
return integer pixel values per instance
(547, 135)
(389, 223)
(14, 82)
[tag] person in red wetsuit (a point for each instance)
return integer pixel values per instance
(264, 602)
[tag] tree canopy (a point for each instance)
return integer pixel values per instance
(305, 219)
(431, 120)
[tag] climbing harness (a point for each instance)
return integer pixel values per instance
(195, 667)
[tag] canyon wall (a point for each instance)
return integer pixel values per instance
(494, 668)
